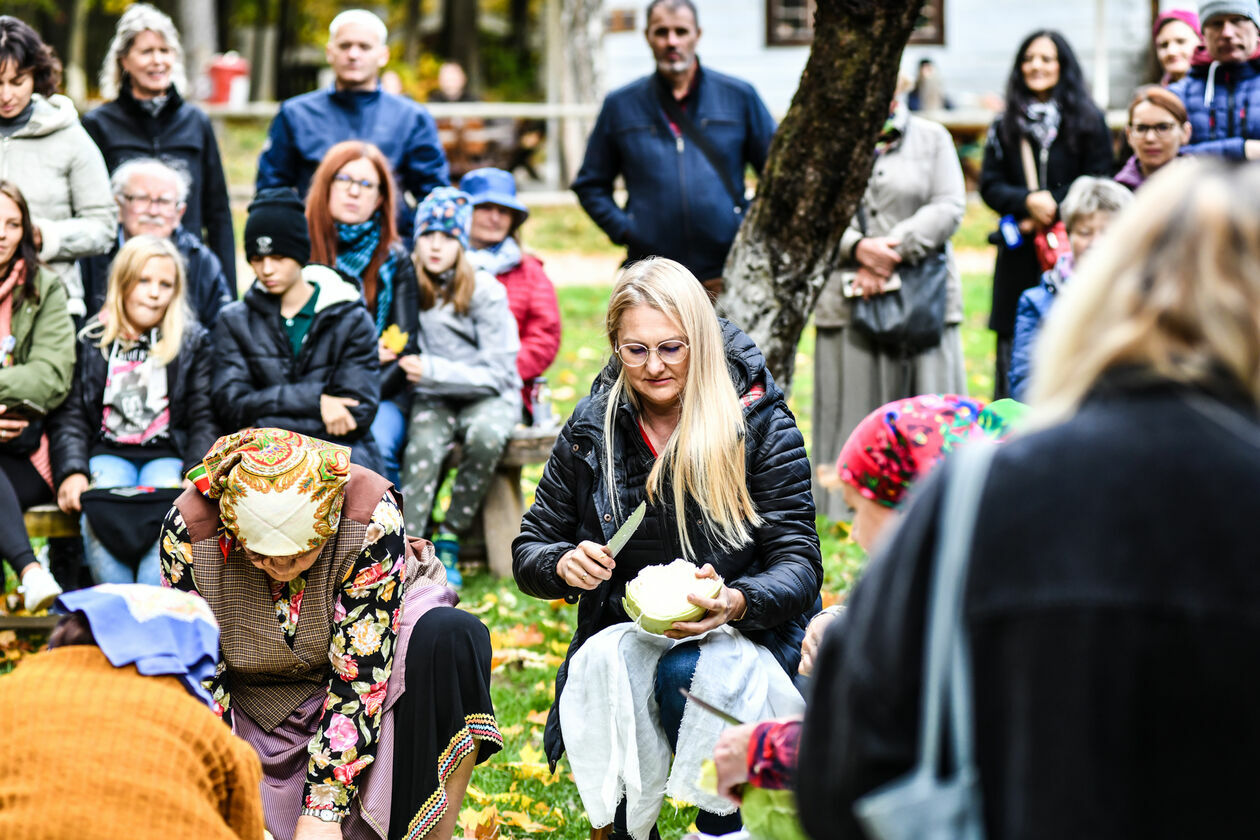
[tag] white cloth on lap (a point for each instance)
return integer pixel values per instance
(611, 722)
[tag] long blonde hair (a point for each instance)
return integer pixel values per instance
(704, 457)
(124, 274)
(1174, 287)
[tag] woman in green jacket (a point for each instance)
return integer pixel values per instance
(36, 365)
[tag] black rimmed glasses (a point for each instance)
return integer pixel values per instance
(164, 204)
(1160, 130)
(345, 182)
(637, 355)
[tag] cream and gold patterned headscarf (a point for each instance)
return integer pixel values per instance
(280, 493)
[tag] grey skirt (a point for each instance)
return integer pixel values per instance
(852, 379)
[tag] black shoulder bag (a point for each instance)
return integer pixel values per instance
(690, 130)
(911, 319)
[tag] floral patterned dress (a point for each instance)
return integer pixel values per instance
(366, 614)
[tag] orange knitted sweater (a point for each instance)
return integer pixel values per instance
(91, 750)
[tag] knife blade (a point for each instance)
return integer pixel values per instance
(627, 530)
(710, 708)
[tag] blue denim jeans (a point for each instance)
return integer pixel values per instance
(113, 471)
(675, 671)
(389, 430)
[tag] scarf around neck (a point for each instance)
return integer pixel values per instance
(355, 246)
(1040, 122)
(497, 259)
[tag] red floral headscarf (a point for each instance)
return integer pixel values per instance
(899, 443)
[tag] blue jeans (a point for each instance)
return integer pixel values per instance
(113, 471)
(389, 430)
(674, 671)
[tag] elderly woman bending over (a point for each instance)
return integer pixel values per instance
(685, 416)
(344, 665)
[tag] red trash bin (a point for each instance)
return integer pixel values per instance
(229, 79)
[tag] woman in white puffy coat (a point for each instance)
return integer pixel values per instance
(48, 154)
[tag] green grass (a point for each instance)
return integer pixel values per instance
(566, 227)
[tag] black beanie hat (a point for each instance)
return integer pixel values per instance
(277, 226)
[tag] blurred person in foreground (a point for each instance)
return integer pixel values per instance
(114, 730)
(894, 448)
(1114, 652)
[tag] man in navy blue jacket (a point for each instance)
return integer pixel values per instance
(680, 205)
(355, 108)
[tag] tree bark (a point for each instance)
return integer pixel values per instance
(76, 54)
(819, 163)
(460, 38)
(582, 79)
(411, 34)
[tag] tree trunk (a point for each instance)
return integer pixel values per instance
(581, 78)
(518, 16)
(460, 37)
(198, 28)
(819, 163)
(76, 54)
(411, 32)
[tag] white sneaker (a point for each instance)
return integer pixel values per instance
(39, 589)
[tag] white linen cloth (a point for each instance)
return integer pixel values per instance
(611, 722)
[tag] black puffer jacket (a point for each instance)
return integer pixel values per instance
(258, 381)
(180, 134)
(75, 428)
(779, 572)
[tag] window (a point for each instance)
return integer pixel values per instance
(791, 23)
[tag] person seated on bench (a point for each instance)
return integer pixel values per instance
(139, 412)
(350, 211)
(298, 352)
(114, 728)
(464, 381)
(36, 364)
(496, 247)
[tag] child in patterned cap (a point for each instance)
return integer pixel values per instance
(463, 382)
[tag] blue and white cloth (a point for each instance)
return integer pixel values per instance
(163, 632)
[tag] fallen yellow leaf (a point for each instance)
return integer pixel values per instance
(538, 717)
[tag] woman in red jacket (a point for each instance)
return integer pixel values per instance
(497, 218)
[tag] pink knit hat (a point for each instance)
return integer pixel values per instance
(1186, 16)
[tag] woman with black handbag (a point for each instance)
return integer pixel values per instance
(895, 260)
(36, 365)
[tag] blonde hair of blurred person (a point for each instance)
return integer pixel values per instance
(1174, 287)
(125, 273)
(704, 457)
(138, 19)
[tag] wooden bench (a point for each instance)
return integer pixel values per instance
(49, 522)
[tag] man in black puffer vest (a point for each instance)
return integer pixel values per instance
(298, 352)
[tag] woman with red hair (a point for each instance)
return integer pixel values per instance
(350, 210)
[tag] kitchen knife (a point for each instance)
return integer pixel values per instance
(627, 529)
(710, 708)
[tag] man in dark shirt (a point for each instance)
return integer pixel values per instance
(355, 108)
(683, 202)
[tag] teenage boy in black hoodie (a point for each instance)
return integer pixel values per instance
(299, 351)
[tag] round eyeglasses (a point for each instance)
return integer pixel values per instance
(637, 355)
(345, 182)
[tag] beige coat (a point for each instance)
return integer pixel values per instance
(58, 168)
(915, 195)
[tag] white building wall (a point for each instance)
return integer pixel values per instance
(980, 41)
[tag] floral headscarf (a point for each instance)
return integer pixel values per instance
(280, 493)
(899, 443)
(160, 631)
